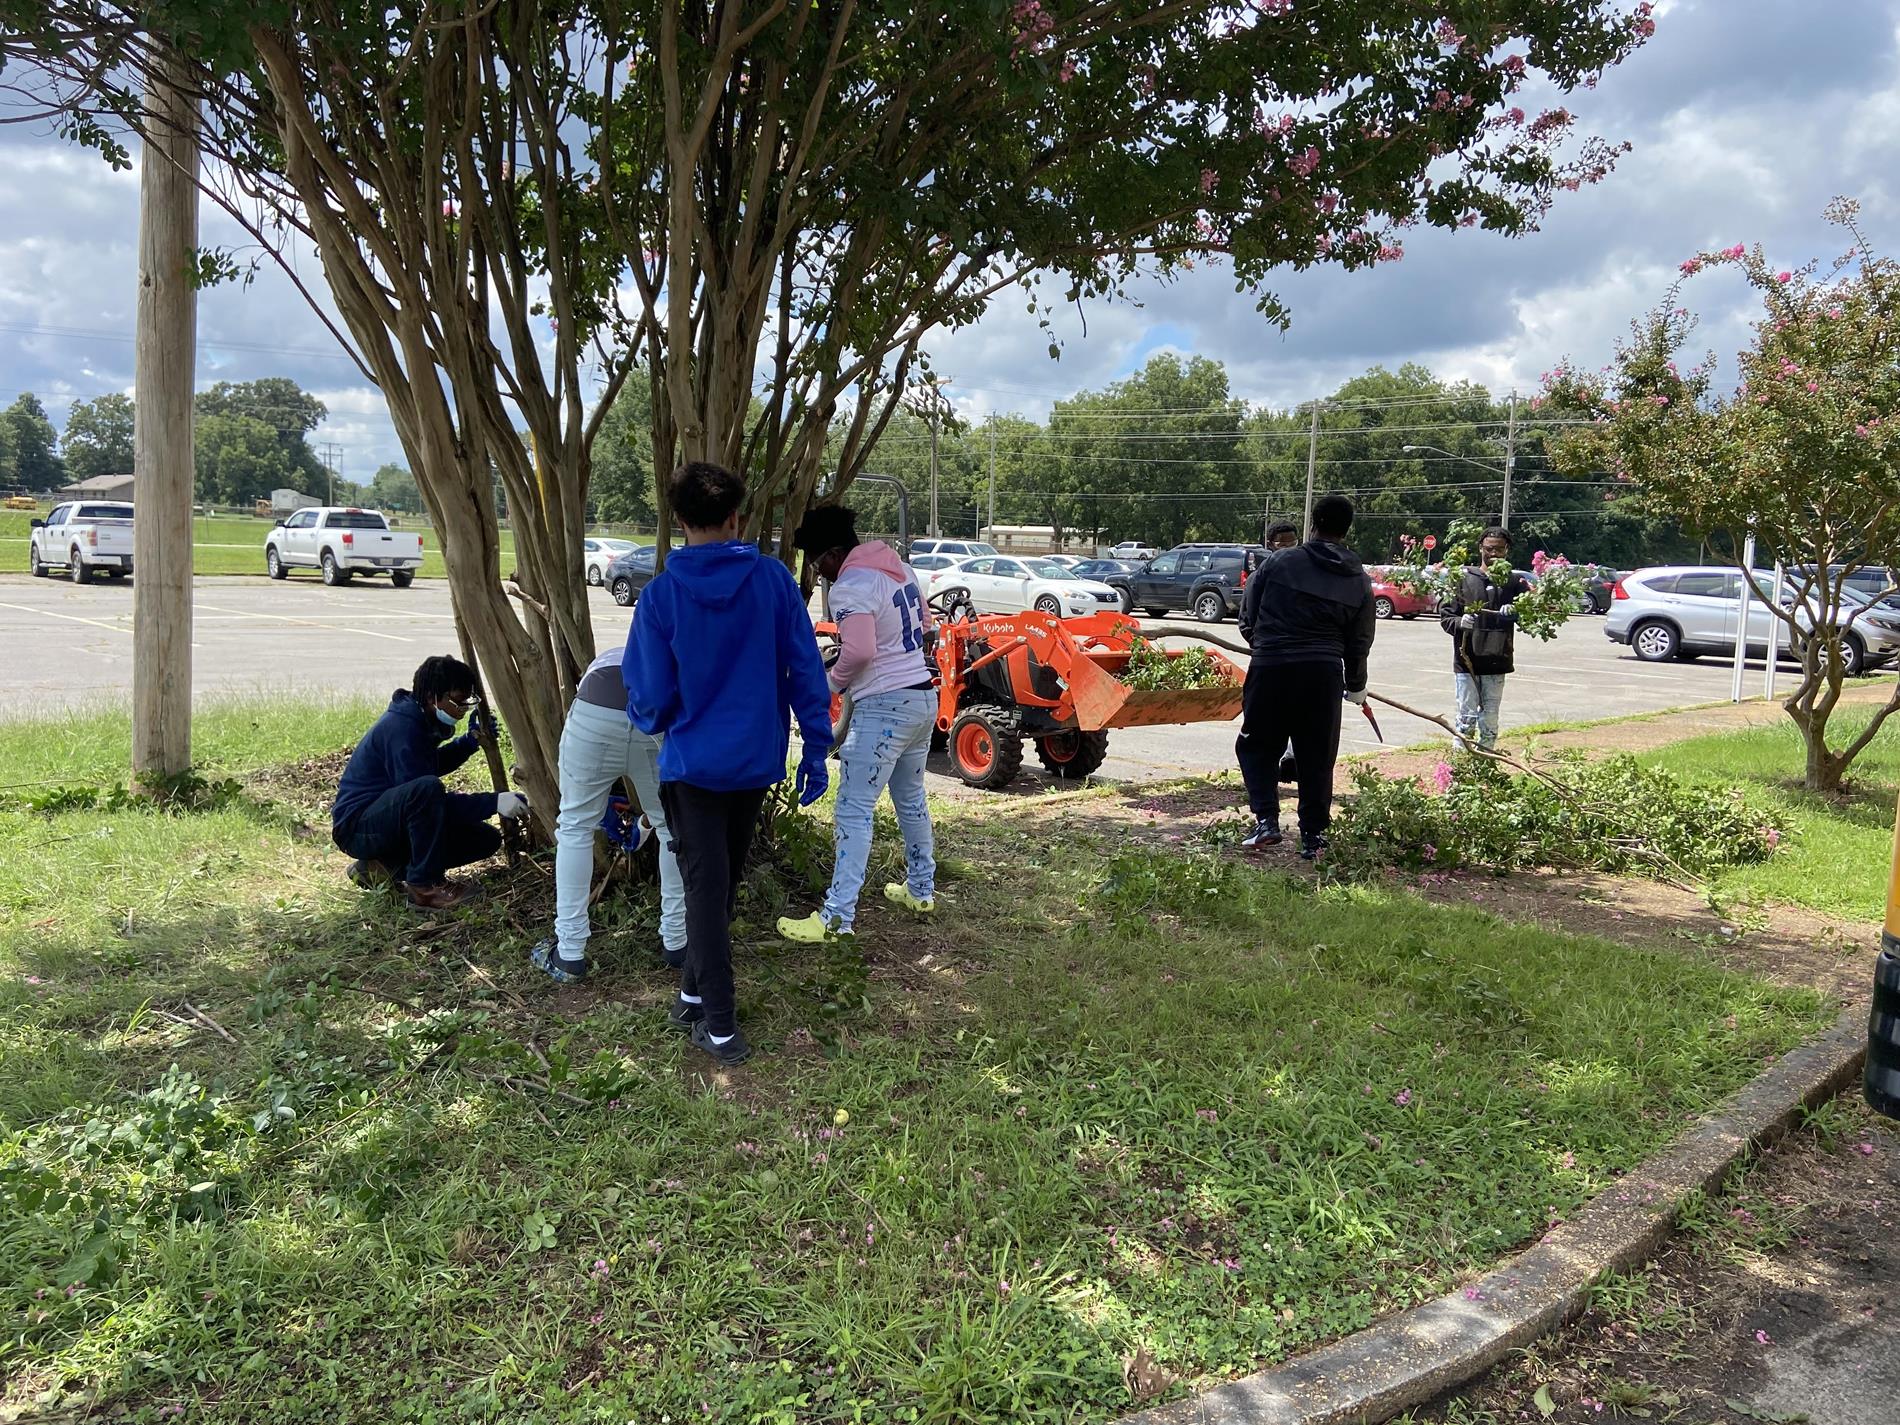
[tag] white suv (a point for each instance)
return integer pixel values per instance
(955, 548)
(1687, 611)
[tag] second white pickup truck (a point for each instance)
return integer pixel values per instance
(342, 541)
(86, 536)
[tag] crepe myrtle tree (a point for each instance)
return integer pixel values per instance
(1804, 453)
(763, 209)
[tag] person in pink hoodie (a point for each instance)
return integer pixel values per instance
(882, 622)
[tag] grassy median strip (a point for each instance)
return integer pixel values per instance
(270, 1148)
(1836, 857)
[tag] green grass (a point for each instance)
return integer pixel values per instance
(1109, 1100)
(1837, 858)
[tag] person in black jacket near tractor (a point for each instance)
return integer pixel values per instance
(1307, 615)
(1482, 622)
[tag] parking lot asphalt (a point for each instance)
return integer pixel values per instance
(69, 646)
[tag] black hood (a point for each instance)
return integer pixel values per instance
(1334, 558)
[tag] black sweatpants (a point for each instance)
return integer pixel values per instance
(415, 831)
(711, 832)
(1298, 702)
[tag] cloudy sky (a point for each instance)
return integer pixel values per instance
(1746, 116)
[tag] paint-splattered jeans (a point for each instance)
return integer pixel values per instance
(887, 742)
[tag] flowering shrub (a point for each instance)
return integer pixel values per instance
(1557, 588)
(1609, 815)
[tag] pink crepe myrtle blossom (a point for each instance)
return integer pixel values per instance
(1304, 163)
(1784, 277)
(1691, 267)
(1208, 179)
(1067, 72)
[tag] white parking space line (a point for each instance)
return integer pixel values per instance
(304, 622)
(70, 618)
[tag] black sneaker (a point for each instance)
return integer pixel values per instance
(371, 875)
(1265, 833)
(683, 1016)
(1311, 847)
(1289, 769)
(673, 959)
(734, 1051)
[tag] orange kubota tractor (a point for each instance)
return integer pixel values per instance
(1002, 678)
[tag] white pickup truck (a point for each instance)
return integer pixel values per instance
(342, 541)
(85, 536)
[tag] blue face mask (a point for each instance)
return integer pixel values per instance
(446, 720)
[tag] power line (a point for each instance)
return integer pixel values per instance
(82, 334)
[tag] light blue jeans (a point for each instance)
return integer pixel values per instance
(1480, 697)
(599, 745)
(887, 742)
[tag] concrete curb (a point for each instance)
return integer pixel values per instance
(1416, 1355)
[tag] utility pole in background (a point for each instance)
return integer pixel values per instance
(1312, 466)
(164, 362)
(331, 455)
(1510, 461)
(992, 529)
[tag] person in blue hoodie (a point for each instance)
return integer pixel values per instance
(392, 812)
(721, 652)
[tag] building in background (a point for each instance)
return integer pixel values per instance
(284, 502)
(99, 487)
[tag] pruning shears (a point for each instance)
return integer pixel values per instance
(1366, 708)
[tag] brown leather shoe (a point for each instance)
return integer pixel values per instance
(370, 875)
(444, 896)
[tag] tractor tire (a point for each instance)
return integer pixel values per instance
(1383, 608)
(274, 563)
(986, 745)
(939, 742)
(1072, 755)
(402, 578)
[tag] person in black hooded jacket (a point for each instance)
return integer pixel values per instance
(1307, 615)
(1482, 621)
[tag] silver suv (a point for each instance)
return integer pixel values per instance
(1686, 611)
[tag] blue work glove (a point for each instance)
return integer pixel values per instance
(813, 777)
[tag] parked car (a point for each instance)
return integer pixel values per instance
(597, 552)
(1685, 612)
(1871, 581)
(1206, 578)
(1138, 551)
(1100, 569)
(1005, 584)
(83, 536)
(1067, 561)
(629, 574)
(342, 541)
(929, 563)
(1391, 600)
(955, 548)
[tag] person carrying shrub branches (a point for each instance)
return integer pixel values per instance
(1483, 626)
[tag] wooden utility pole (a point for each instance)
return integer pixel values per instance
(162, 464)
(1510, 462)
(1312, 466)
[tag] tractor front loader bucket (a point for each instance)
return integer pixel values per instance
(1102, 700)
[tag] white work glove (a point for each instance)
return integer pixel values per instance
(511, 804)
(1509, 611)
(1468, 622)
(1357, 699)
